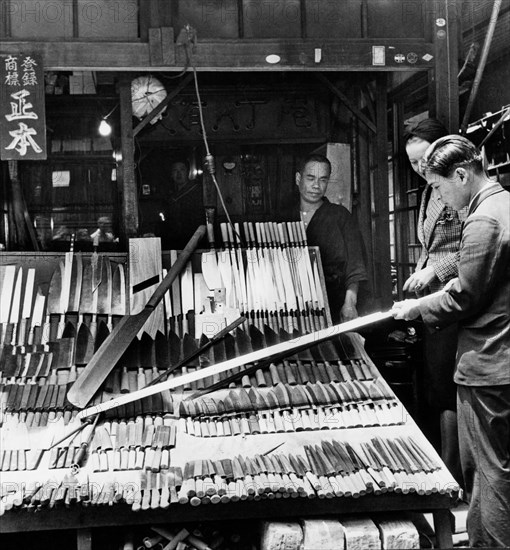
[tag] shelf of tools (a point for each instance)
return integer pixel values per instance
(281, 416)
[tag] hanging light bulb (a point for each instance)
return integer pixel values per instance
(104, 128)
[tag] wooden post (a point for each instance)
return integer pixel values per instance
(403, 234)
(443, 528)
(381, 224)
(150, 16)
(445, 82)
(127, 179)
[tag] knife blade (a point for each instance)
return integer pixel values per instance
(14, 316)
(86, 304)
(26, 312)
(187, 295)
(7, 279)
(119, 306)
(37, 319)
(76, 277)
(54, 308)
(104, 290)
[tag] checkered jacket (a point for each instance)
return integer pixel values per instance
(439, 235)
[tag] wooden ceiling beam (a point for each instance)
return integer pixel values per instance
(234, 55)
(345, 100)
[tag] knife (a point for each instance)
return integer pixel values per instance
(119, 305)
(258, 405)
(35, 332)
(359, 476)
(300, 472)
(187, 294)
(7, 279)
(86, 306)
(339, 470)
(76, 277)
(14, 317)
(219, 355)
(28, 299)
(54, 309)
(211, 270)
(104, 291)
(229, 271)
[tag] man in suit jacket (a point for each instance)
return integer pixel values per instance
(479, 300)
(438, 230)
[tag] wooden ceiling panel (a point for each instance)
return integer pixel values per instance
(44, 19)
(107, 19)
(211, 19)
(396, 18)
(274, 19)
(333, 19)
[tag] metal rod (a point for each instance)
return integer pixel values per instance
(481, 66)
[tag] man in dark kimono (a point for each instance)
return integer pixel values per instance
(333, 229)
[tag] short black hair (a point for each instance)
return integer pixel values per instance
(181, 161)
(428, 129)
(314, 157)
(451, 152)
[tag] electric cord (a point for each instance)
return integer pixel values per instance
(209, 157)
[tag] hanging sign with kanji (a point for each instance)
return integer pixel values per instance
(22, 108)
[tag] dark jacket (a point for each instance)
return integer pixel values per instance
(479, 298)
(334, 230)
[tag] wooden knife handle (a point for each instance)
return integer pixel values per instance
(177, 267)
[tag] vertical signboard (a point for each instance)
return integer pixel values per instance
(22, 108)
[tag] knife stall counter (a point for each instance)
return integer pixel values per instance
(361, 453)
(317, 432)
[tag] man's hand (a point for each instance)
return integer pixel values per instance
(348, 312)
(419, 280)
(449, 284)
(406, 310)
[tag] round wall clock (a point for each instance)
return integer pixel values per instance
(147, 93)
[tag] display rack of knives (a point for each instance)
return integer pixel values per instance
(314, 431)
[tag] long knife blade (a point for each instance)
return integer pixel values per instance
(7, 276)
(284, 348)
(104, 290)
(187, 295)
(76, 283)
(16, 299)
(28, 301)
(28, 297)
(84, 346)
(119, 306)
(86, 291)
(119, 339)
(54, 305)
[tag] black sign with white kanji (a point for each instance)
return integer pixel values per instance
(22, 107)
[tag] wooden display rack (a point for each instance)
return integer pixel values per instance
(85, 519)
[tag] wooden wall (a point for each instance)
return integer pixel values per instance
(130, 19)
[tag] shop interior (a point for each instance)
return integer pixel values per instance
(205, 101)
